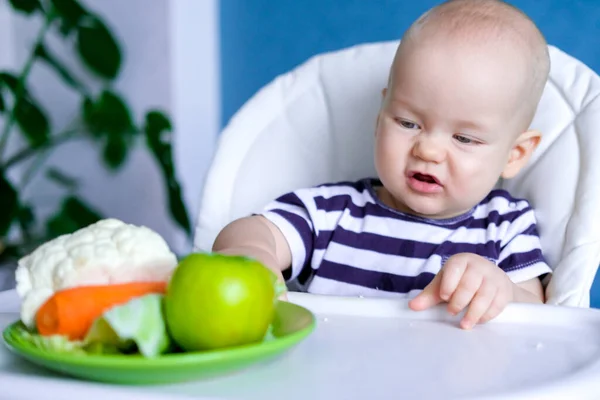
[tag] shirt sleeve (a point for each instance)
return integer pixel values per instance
(290, 214)
(521, 255)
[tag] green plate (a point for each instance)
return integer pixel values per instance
(291, 325)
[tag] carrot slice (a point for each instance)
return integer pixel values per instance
(71, 312)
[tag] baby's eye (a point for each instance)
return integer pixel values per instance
(407, 124)
(463, 139)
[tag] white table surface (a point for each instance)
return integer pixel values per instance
(377, 349)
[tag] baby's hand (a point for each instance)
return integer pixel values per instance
(468, 280)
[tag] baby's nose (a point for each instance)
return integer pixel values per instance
(429, 148)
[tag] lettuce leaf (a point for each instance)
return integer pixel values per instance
(55, 343)
(136, 325)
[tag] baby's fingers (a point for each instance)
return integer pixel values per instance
(429, 297)
(479, 306)
(498, 304)
(454, 271)
(469, 285)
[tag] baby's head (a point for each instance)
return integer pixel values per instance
(462, 92)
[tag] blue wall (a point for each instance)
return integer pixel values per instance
(261, 39)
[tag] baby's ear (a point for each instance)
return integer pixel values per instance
(521, 152)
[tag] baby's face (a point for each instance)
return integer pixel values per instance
(447, 125)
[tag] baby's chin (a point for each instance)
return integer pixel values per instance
(431, 208)
(435, 207)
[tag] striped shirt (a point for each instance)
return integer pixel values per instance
(345, 241)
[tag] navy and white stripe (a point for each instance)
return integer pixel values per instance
(344, 241)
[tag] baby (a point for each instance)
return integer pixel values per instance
(462, 91)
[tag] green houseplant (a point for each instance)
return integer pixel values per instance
(104, 119)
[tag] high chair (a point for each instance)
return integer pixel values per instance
(315, 124)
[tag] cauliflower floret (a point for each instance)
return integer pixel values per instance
(107, 252)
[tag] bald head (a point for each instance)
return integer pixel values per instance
(485, 24)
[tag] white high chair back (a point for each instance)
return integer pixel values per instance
(315, 124)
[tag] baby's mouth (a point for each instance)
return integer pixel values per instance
(425, 178)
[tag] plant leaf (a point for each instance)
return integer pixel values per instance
(26, 219)
(42, 53)
(10, 81)
(158, 129)
(70, 13)
(9, 253)
(73, 215)
(90, 117)
(109, 118)
(62, 179)
(9, 204)
(26, 216)
(32, 121)
(109, 114)
(2, 105)
(27, 7)
(29, 116)
(98, 48)
(115, 150)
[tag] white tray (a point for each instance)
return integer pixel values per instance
(379, 349)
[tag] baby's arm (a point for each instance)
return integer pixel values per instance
(530, 291)
(258, 238)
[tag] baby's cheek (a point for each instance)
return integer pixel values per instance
(390, 154)
(473, 178)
